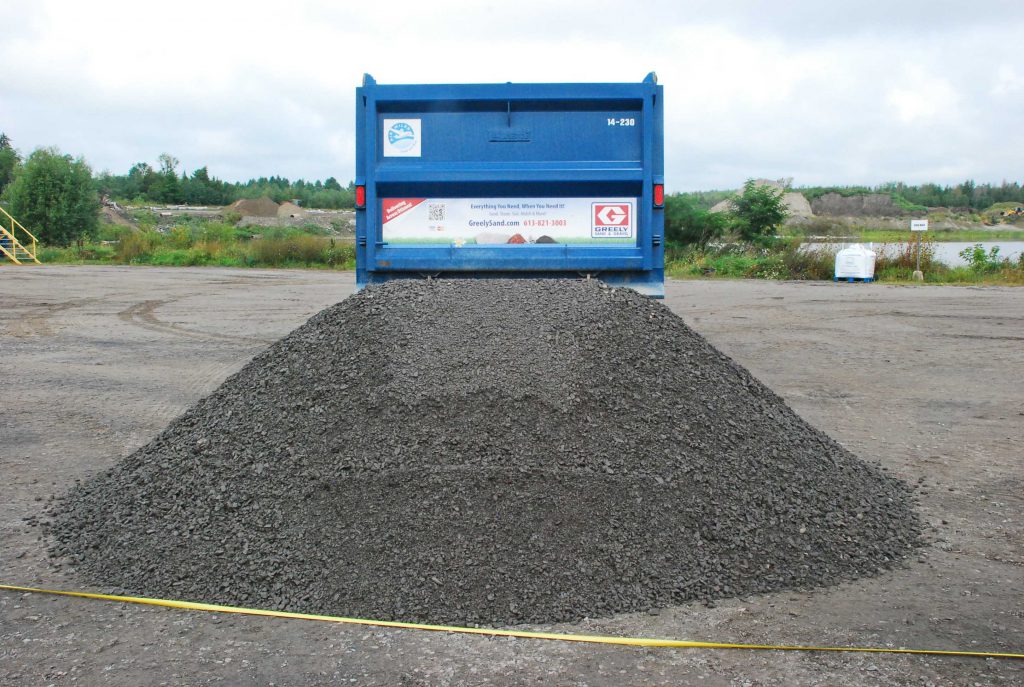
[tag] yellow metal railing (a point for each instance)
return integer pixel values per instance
(11, 246)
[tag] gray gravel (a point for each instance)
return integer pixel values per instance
(485, 452)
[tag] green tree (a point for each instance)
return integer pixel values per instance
(202, 189)
(138, 184)
(967, 190)
(686, 223)
(758, 211)
(9, 161)
(331, 184)
(167, 188)
(53, 196)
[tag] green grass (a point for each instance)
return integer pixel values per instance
(954, 275)
(208, 244)
(787, 261)
(1003, 207)
(472, 242)
(223, 245)
(890, 236)
(906, 205)
(88, 254)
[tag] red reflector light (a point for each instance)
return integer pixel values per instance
(659, 195)
(360, 196)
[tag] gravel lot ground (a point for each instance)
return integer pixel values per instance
(925, 380)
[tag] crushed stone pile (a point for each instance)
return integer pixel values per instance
(485, 452)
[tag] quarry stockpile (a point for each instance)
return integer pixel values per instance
(290, 211)
(485, 452)
(865, 205)
(254, 207)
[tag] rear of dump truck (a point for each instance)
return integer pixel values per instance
(511, 180)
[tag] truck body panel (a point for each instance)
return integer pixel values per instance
(510, 180)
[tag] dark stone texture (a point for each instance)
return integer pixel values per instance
(485, 452)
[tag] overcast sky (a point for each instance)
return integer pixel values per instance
(828, 92)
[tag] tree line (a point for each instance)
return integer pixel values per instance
(58, 196)
(145, 183)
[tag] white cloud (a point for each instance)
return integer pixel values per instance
(1008, 82)
(920, 97)
(829, 93)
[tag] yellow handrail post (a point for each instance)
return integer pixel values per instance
(15, 242)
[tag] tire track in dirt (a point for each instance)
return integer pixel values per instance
(992, 337)
(200, 380)
(36, 322)
(142, 314)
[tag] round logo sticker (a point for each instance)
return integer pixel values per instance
(401, 136)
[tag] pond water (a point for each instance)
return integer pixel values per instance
(947, 252)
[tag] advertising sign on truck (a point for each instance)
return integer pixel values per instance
(508, 221)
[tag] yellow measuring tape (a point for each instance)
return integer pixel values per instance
(520, 634)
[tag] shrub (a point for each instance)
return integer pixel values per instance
(179, 237)
(728, 261)
(281, 250)
(112, 232)
(904, 255)
(980, 261)
(758, 211)
(340, 254)
(53, 197)
(808, 263)
(166, 256)
(771, 267)
(686, 224)
(217, 231)
(137, 247)
(89, 252)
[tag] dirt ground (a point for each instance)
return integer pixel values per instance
(924, 380)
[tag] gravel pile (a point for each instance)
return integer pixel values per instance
(492, 452)
(254, 207)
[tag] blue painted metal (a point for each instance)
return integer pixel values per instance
(514, 141)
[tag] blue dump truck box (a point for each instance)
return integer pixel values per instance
(511, 180)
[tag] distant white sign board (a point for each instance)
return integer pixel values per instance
(918, 225)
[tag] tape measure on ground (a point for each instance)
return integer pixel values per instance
(520, 634)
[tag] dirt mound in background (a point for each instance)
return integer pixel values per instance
(290, 210)
(797, 205)
(865, 205)
(254, 207)
(109, 215)
(487, 451)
